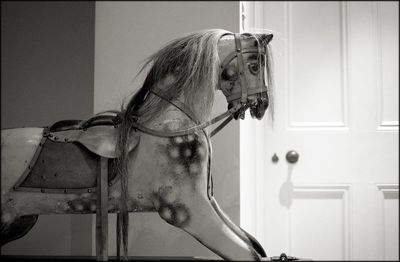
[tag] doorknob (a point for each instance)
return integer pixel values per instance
(292, 156)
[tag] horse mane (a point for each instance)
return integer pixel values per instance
(186, 66)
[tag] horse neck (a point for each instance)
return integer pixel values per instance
(197, 102)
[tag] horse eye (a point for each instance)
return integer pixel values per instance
(230, 74)
(254, 68)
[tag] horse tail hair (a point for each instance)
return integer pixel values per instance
(126, 117)
(122, 169)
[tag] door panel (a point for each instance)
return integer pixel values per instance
(336, 104)
(388, 197)
(387, 16)
(312, 69)
(316, 206)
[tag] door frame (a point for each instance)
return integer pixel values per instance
(251, 138)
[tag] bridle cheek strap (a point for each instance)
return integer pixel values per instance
(240, 65)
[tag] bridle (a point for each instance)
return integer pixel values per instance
(244, 87)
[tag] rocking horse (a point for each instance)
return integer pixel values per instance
(152, 156)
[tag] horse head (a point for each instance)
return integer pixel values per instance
(245, 77)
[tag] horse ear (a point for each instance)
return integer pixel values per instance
(268, 38)
(264, 39)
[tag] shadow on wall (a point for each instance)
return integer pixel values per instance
(47, 69)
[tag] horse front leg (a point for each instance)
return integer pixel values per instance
(181, 199)
(238, 230)
(193, 212)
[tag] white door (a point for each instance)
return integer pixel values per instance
(336, 105)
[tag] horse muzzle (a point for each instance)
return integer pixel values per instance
(257, 104)
(258, 107)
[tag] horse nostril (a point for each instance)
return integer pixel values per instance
(265, 102)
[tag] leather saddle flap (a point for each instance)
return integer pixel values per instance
(101, 140)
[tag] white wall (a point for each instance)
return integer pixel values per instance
(127, 33)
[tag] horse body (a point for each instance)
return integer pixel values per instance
(167, 174)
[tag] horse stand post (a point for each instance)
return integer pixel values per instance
(102, 211)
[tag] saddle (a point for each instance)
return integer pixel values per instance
(99, 134)
(100, 140)
(68, 157)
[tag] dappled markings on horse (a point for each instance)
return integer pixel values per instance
(174, 152)
(187, 152)
(175, 214)
(178, 139)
